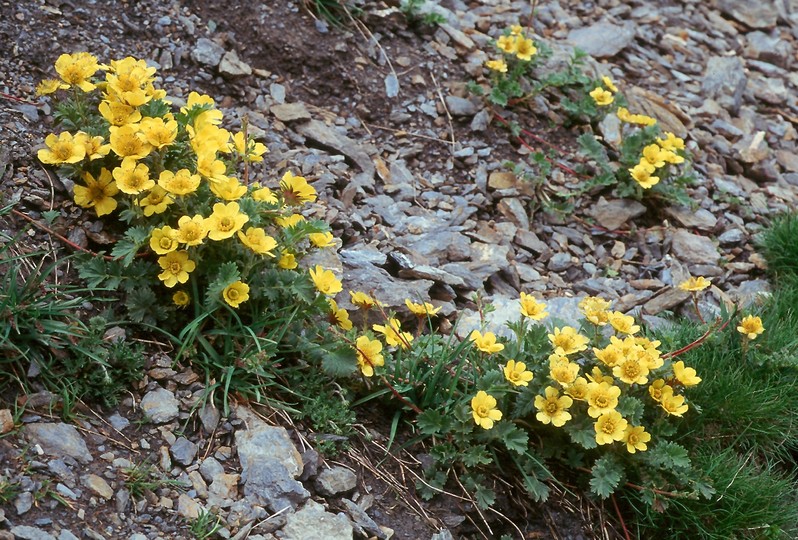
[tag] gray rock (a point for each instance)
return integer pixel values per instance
(118, 421)
(312, 522)
(210, 468)
(460, 106)
(322, 134)
(602, 39)
(695, 219)
(613, 214)
(564, 310)
(261, 441)
(753, 14)
(58, 440)
(209, 416)
(480, 121)
(560, 262)
(290, 112)
(435, 246)
(731, 237)
(6, 418)
(443, 534)
(422, 271)
(335, 480)
(530, 241)
(277, 91)
(725, 81)
(391, 85)
(505, 310)
(232, 66)
(207, 52)
(183, 451)
(392, 292)
(667, 300)
(98, 485)
(68, 535)
(772, 49)
(223, 490)
(270, 484)
(363, 521)
(694, 249)
(26, 532)
(513, 209)
(23, 502)
(160, 406)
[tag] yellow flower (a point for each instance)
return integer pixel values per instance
(258, 241)
(609, 84)
(181, 299)
(525, 48)
(158, 132)
(133, 178)
(210, 115)
(685, 375)
(368, 355)
(180, 183)
(163, 240)
(624, 324)
(516, 30)
(497, 65)
(210, 167)
(322, 240)
(287, 260)
(484, 411)
(76, 70)
(553, 409)
(672, 157)
(532, 308)
(507, 44)
(625, 116)
(236, 293)
(609, 355)
(631, 370)
(567, 341)
(128, 141)
(95, 149)
(393, 334)
(225, 221)
(595, 310)
(610, 427)
(673, 404)
(290, 221)
(247, 148)
(751, 327)
(642, 175)
(118, 114)
(658, 390)
(363, 300)
(325, 281)
(562, 370)
(130, 81)
(601, 97)
(578, 389)
(695, 284)
(636, 439)
(97, 193)
(598, 377)
(156, 201)
(671, 142)
(422, 310)
(263, 194)
(486, 343)
(517, 374)
(176, 267)
(191, 231)
(601, 398)
(229, 188)
(48, 86)
(61, 148)
(296, 189)
(653, 155)
(339, 316)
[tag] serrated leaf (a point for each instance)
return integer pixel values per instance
(631, 408)
(514, 438)
(582, 432)
(524, 403)
(484, 496)
(497, 97)
(126, 247)
(339, 361)
(228, 273)
(143, 307)
(432, 422)
(668, 455)
(475, 456)
(538, 490)
(606, 475)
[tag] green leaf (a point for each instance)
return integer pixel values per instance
(524, 403)
(592, 148)
(339, 361)
(538, 490)
(126, 248)
(606, 475)
(484, 496)
(475, 456)
(632, 409)
(514, 438)
(432, 422)
(582, 432)
(668, 455)
(228, 273)
(497, 97)
(143, 306)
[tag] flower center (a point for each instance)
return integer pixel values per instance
(608, 427)
(232, 294)
(166, 243)
(226, 224)
(551, 407)
(602, 402)
(175, 267)
(482, 411)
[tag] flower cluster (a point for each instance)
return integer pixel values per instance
(604, 94)
(180, 177)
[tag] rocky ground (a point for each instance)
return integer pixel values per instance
(411, 173)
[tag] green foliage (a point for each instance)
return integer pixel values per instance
(205, 525)
(145, 478)
(412, 10)
(606, 475)
(779, 245)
